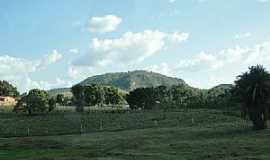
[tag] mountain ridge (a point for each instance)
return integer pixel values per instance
(131, 80)
(127, 81)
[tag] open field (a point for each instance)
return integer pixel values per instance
(59, 123)
(191, 134)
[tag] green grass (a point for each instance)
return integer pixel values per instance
(185, 135)
(59, 123)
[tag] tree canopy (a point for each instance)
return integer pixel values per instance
(92, 95)
(253, 91)
(6, 89)
(35, 101)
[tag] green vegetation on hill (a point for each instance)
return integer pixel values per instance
(131, 80)
(65, 91)
(7, 89)
(222, 88)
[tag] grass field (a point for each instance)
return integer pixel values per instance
(184, 135)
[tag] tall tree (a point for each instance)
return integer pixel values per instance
(79, 97)
(253, 90)
(37, 101)
(60, 98)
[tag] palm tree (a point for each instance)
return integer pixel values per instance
(253, 90)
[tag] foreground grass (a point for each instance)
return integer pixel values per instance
(61, 123)
(208, 135)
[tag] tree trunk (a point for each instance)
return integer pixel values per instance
(259, 120)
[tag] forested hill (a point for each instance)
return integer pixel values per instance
(221, 88)
(131, 80)
(65, 91)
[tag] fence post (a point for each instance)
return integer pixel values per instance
(101, 125)
(81, 130)
(28, 131)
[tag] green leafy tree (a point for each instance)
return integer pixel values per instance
(79, 97)
(6, 89)
(21, 104)
(253, 91)
(52, 104)
(92, 96)
(143, 98)
(112, 96)
(37, 101)
(60, 98)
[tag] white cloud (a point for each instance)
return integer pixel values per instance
(74, 50)
(221, 67)
(172, 1)
(243, 35)
(27, 83)
(18, 70)
(77, 73)
(130, 48)
(163, 68)
(57, 83)
(259, 54)
(104, 24)
(10, 67)
(263, 1)
(50, 58)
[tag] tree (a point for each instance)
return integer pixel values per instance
(181, 95)
(79, 97)
(253, 90)
(21, 104)
(60, 98)
(97, 94)
(6, 89)
(37, 101)
(143, 98)
(112, 96)
(52, 104)
(91, 94)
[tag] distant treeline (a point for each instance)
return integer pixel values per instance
(251, 91)
(180, 96)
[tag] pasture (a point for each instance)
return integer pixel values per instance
(195, 134)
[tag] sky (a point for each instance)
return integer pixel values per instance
(49, 44)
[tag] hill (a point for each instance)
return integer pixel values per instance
(223, 86)
(65, 91)
(221, 89)
(128, 81)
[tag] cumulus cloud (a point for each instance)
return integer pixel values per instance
(77, 72)
(263, 1)
(74, 50)
(220, 67)
(259, 54)
(57, 83)
(26, 83)
(172, 1)
(104, 24)
(243, 35)
(50, 59)
(130, 48)
(18, 70)
(11, 66)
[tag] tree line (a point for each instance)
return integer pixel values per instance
(92, 95)
(251, 91)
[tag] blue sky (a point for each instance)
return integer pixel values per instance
(48, 44)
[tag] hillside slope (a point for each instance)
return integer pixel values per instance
(131, 80)
(65, 91)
